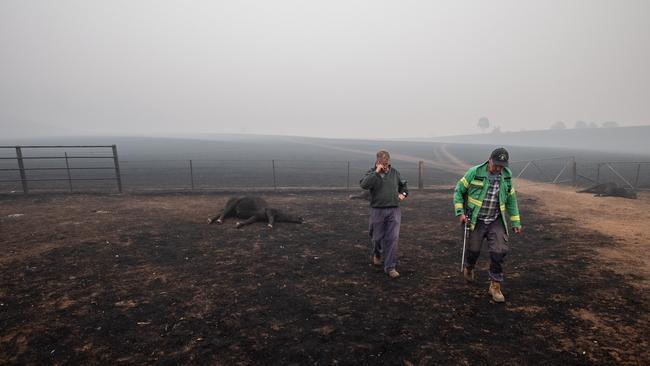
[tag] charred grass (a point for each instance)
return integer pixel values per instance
(143, 279)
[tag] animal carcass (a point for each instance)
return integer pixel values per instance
(252, 209)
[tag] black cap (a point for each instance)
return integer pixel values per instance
(500, 156)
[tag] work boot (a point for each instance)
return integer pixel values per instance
(392, 273)
(468, 273)
(495, 291)
(376, 260)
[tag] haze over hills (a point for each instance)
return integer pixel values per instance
(25, 130)
(633, 140)
(618, 140)
(621, 140)
(522, 145)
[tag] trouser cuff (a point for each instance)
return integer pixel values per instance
(498, 277)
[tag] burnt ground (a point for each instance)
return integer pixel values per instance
(143, 279)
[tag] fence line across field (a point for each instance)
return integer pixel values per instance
(215, 174)
(281, 173)
(339, 173)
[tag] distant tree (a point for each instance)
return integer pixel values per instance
(483, 123)
(593, 125)
(610, 124)
(496, 129)
(580, 124)
(559, 125)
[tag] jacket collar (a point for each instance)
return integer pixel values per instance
(482, 171)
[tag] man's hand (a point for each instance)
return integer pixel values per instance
(379, 168)
(517, 230)
(462, 218)
(401, 197)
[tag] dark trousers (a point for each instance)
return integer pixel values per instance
(497, 240)
(384, 232)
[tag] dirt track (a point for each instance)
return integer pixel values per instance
(624, 220)
(143, 279)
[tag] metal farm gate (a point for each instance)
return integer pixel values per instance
(551, 170)
(54, 165)
(632, 174)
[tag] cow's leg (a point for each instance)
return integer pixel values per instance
(270, 215)
(216, 218)
(228, 211)
(248, 221)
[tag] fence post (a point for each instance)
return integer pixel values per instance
(67, 166)
(275, 186)
(574, 172)
(636, 181)
(348, 178)
(598, 174)
(191, 175)
(420, 182)
(118, 176)
(21, 166)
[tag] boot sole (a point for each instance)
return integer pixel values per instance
(497, 300)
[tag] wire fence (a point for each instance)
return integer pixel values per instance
(635, 175)
(556, 170)
(62, 171)
(566, 170)
(97, 168)
(204, 174)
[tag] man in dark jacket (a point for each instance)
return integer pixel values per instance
(387, 190)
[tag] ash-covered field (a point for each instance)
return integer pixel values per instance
(134, 279)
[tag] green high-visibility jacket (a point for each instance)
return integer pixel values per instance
(474, 186)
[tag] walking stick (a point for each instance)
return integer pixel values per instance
(462, 259)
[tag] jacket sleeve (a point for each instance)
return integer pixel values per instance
(369, 180)
(460, 191)
(402, 185)
(513, 208)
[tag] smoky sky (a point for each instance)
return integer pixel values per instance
(358, 69)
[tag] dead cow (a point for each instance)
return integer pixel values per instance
(610, 189)
(252, 209)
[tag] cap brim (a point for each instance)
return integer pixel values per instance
(501, 163)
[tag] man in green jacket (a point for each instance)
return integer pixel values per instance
(387, 190)
(483, 197)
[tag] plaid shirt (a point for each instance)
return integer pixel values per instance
(490, 208)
